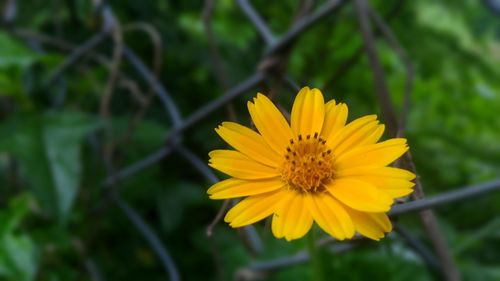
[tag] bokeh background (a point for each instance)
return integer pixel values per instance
(103, 170)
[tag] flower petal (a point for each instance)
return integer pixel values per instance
(249, 142)
(393, 181)
(352, 133)
(371, 225)
(361, 136)
(270, 122)
(233, 188)
(330, 215)
(308, 112)
(335, 118)
(237, 165)
(292, 220)
(378, 154)
(360, 195)
(254, 208)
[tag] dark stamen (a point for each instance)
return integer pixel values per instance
(316, 135)
(300, 137)
(308, 136)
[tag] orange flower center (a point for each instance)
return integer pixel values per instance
(308, 164)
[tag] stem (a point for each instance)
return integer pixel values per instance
(315, 256)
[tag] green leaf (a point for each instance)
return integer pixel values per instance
(172, 203)
(12, 53)
(48, 148)
(18, 259)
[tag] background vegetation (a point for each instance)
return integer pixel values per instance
(76, 109)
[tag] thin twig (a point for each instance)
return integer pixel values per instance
(78, 53)
(161, 92)
(193, 119)
(218, 217)
(42, 38)
(108, 145)
(252, 237)
(431, 226)
(448, 268)
(145, 100)
(347, 64)
(393, 41)
(377, 70)
(220, 73)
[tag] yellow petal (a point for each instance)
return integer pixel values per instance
(352, 133)
(237, 165)
(371, 225)
(249, 142)
(360, 195)
(292, 220)
(378, 154)
(308, 112)
(254, 208)
(374, 137)
(330, 215)
(393, 181)
(377, 171)
(270, 122)
(335, 118)
(233, 188)
(359, 137)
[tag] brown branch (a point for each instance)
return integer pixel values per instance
(108, 146)
(429, 221)
(394, 43)
(346, 65)
(381, 88)
(77, 54)
(431, 226)
(155, 37)
(218, 217)
(220, 73)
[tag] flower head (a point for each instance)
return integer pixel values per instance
(318, 168)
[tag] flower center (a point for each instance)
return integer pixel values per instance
(308, 164)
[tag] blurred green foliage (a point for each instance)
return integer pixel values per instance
(55, 218)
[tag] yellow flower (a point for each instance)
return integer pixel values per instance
(318, 169)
